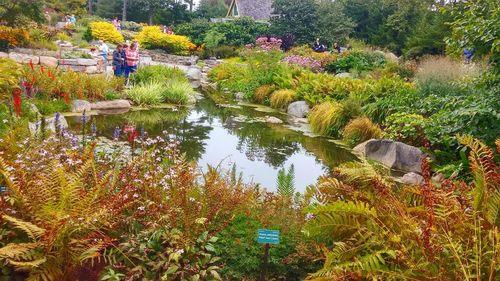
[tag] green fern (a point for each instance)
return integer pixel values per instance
(285, 182)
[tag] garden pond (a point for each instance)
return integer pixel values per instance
(225, 134)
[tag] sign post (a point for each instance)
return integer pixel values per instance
(267, 237)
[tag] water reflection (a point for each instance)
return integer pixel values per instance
(211, 134)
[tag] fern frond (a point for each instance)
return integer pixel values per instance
(27, 265)
(339, 217)
(19, 251)
(33, 231)
(482, 164)
(493, 208)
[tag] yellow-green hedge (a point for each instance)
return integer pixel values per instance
(105, 31)
(151, 37)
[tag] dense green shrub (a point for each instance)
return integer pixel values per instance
(51, 106)
(237, 32)
(221, 52)
(407, 128)
(357, 61)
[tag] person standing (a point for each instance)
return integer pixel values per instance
(72, 19)
(132, 59)
(104, 49)
(468, 55)
(318, 47)
(118, 61)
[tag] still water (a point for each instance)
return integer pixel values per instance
(215, 134)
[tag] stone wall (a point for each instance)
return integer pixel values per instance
(49, 58)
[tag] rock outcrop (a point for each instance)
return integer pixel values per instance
(299, 109)
(395, 155)
(112, 104)
(80, 106)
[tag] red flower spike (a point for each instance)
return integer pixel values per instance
(41, 69)
(66, 98)
(16, 96)
(31, 65)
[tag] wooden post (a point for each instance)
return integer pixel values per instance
(265, 262)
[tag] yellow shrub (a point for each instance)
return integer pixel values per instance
(13, 37)
(152, 37)
(262, 92)
(105, 31)
(359, 130)
(282, 98)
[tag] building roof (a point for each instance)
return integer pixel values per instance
(257, 9)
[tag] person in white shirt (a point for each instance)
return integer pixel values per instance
(104, 49)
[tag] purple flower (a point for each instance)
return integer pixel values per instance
(84, 118)
(73, 141)
(268, 43)
(93, 129)
(143, 133)
(116, 134)
(306, 62)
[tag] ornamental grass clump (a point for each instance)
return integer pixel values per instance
(282, 98)
(177, 92)
(150, 93)
(359, 130)
(262, 93)
(330, 117)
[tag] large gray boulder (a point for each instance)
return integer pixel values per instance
(50, 125)
(80, 106)
(393, 154)
(112, 104)
(194, 73)
(4, 55)
(299, 109)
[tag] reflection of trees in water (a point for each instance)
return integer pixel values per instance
(260, 142)
(257, 141)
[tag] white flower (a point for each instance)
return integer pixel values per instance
(180, 252)
(141, 208)
(135, 195)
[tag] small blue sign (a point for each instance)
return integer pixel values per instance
(268, 236)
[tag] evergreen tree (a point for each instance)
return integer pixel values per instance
(297, 17)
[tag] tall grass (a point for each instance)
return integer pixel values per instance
(444, 69)
(282, 98)
(359, 130)
(330, 117)
(178, 92)
(262, 93)
(150, 93)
